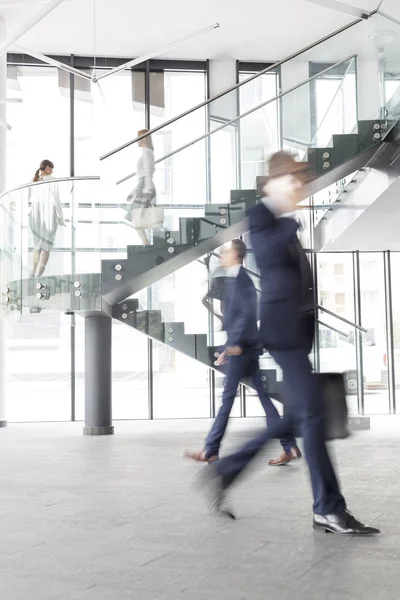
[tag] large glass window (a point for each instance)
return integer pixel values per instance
(181, 179)
(334, 101)
(106, 116)
(40, 124)
(373, 315)
(181, 385)
(38, 359)
(337, 339)
(260, 131)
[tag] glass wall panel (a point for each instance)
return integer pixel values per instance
(38, 359)
(337, 340)
(395, 281)
(129, 372)
(336, 283)
(180, 179)
(40, 124)
(372, 283)
(181, 385)
(260, 131)
(108, 114)
(335, 104)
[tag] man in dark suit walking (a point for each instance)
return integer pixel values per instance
(287, 330)
(242, 353)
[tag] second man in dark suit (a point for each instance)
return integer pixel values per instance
(242, 354)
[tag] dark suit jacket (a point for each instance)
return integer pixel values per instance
(287, 298)
(240, 311)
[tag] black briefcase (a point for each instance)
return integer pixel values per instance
(333, 395)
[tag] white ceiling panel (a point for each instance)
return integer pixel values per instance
(254, 30)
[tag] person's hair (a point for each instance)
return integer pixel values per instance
(240, 248)
(147, 141)
(43, 165)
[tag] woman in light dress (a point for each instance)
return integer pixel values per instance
(45, 216)
(144, 194)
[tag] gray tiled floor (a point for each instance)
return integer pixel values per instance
(118, 517)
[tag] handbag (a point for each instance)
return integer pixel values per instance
(150, 217)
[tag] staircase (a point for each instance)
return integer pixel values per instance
(107, 292)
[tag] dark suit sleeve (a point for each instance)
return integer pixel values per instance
(248, 307)
(280, 231)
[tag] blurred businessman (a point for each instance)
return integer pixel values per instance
(287, 329)
(241, 354)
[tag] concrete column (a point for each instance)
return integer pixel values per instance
(98, 375)
(3, 115)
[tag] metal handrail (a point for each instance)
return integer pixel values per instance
(52, 180)
(238, 85)
(332, 314)
(332, 328)
(245, 114)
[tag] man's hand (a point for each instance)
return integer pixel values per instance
(234, 351)
(221, 360)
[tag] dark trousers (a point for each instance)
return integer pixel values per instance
(303, 414)
(240, 367)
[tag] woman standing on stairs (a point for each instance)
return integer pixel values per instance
(143, 212)
(45, 216)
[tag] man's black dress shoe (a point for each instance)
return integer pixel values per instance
(343, 524)
(212, 483)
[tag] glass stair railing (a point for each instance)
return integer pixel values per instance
(70, 243)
